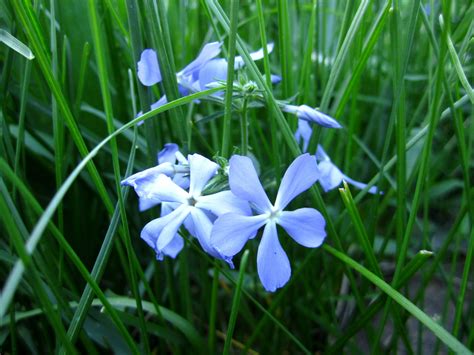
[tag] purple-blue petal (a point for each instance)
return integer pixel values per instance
(275, 79)
(215, 69)
(202, 228)
(168, 153)
(231, 231)
(272, 262)
(209, 51)
(300, 176)
(148, 68)
(303, 133)
(305, 225)
(244, 183)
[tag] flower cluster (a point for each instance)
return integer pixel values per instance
(223, 222)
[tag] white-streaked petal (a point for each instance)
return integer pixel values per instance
(167, 190)
(305, 225)
(148, 68)
(201, 171)
(272, 262)
(145, 184)
(257, 55)
(300, 176)
(152, 230)
(244, 183)
(224, 202)
(231, 231)
(170, 229)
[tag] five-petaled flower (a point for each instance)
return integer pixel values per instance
(305, 225)
(191, 208)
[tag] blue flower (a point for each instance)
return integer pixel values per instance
(148, 69)
(309, 114)
(196, 211)
(331, 177)
(305, 225)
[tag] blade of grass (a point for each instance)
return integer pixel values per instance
(448, 339)
(376, 305)
(235, 303)
(99, 45)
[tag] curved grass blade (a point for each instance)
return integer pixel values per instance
(453, 343)
(16, 44)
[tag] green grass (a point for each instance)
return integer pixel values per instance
(395, 272)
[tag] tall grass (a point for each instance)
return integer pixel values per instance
(395, 272)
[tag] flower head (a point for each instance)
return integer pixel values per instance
(191, 208)
(305, 225)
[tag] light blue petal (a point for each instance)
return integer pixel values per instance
(163, 100)
(170, 226)
(321, 154)
(168, 207)
(257, 55)
(148, 68)
(201, 171)
(303, 133)
(166, 190)
(145, 184)
(231, 231)
(224, 202)
(202, 228)
(209, 51)
(168, 153)
(331, 177)
(174, 247)
(213, 70)
(300, 176)
(305, 225)
(272, 262)
(360, 185)
(244, 183)
(152, 230)
(312, 115)
(275, 79)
